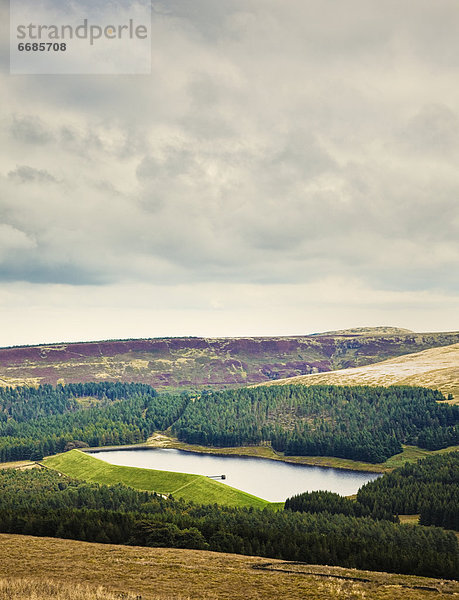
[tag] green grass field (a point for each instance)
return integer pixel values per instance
(412, 454)
(196, 488)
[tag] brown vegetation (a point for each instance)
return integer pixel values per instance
(162, 573)
(209, 362)
(47, 589)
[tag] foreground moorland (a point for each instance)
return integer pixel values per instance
(194, 363)
(174, 574)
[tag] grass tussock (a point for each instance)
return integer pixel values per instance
(47, 589)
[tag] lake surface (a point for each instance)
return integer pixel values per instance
(269, 479)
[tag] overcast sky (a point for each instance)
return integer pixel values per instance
(290, 166)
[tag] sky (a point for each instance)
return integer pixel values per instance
(288, 167)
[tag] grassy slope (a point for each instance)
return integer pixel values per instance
(197, 488)
(198, 575)
(436, 368)
(412, 454)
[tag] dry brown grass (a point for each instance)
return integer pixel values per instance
(47, 589)
(437, 368)
(19, 381)
(409, 519)
(172, 574)
(18, 464)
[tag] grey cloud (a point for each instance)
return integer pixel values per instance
(30, 130)
(13, 239)
(174, 163)
(38, 273)
(24, 174)
(433, 131)
(207, 18)
(302, 156)
(276, 142)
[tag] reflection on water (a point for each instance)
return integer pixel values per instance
(269, 479)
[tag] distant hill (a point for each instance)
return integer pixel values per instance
(195, 363)
(368, 331)
(436, 368)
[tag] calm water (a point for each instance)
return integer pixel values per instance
(269, 479)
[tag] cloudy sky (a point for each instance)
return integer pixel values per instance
(289, 166)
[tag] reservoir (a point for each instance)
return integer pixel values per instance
(269, 479)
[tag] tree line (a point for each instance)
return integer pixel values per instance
(360, 423)
(334, 504)
(35, 422)
(429, 487)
